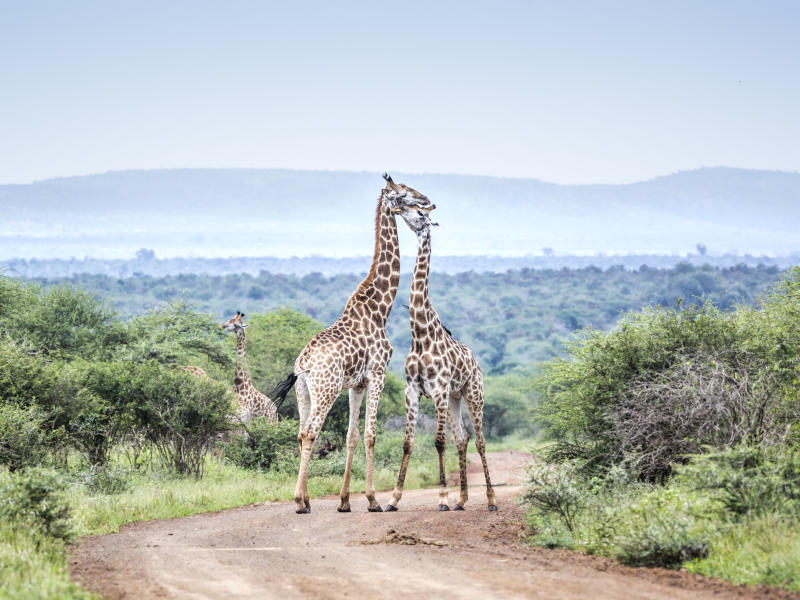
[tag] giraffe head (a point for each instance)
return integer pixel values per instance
(234, 323)
(409, 204)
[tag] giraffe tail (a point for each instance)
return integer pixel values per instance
(279, 392)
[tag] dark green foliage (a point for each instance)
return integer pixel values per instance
(507, 405)
(664, 383)
(746, 481)
(262, 444)
(70, 321)
(661, 544)
(179, 414)
(24, 439)
(105, 480)
(509, 319)
(175, 335)
(35, 499)
(560, 492)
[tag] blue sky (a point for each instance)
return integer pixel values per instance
(571, 92)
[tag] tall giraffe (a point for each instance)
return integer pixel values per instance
(442, 368)
(352, 353)
(252, 403)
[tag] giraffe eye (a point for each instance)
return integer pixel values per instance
(419, 212)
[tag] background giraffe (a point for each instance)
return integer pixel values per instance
(196, 371)
(252, 403)
(443, 369)
(352, 353)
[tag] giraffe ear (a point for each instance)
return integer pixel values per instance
(388, 178)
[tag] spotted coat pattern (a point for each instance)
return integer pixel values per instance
(252, 403)
(353, 353)
(442, 368)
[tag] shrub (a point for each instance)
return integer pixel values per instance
(105, 480)
(661, 544)
(664, 383)
(747, 480)
(262, 444)
(556, 490)
(24, 441)
(35, 498)
(182, 416)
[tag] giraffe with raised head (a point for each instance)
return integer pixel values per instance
(252, 403)
(352, 353)
(442, 368)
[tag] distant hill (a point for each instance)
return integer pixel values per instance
(271, 212)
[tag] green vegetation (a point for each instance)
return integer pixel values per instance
(672, 436)
(675, 441)
(99, 428)
(510, 319)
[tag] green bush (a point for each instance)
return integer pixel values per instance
(262, 444)
(747, 481)
(35, 499)
(666, 383)
(556, 491)
(24, 439)
(105, 480)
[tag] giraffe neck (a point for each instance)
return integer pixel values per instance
(375, 295)
(419, 306)
(242, 377)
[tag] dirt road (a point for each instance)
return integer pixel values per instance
(267, 551)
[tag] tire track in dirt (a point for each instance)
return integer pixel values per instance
(267, 551)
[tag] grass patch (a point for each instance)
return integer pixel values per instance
(33, 564)
(515, 441)
(764, 550)
(163, 496)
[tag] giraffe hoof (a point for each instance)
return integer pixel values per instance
(343, 509)
(458, 507)
(390, 508)
(376, 508)
(303, 511)
(444, 507)
(493, 507)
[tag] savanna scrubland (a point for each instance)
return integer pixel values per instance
(662, 405)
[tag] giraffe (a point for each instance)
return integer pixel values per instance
(252, 403)
(196, 371)
(352, 353)
(442, 368)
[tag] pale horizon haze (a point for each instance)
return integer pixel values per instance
(568, 92)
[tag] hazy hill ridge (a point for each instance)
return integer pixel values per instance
(272, 212)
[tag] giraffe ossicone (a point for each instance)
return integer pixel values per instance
(353, 353)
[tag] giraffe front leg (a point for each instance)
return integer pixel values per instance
(412, 407)
(461, 436)
(356, 396)
(440, 441)
(370, 431)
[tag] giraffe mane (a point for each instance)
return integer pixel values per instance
(376, 252)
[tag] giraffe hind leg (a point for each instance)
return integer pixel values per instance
(474, 396)
(356, 396)
(322, 399)
(461, 436)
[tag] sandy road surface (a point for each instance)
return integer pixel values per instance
(267, 551)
